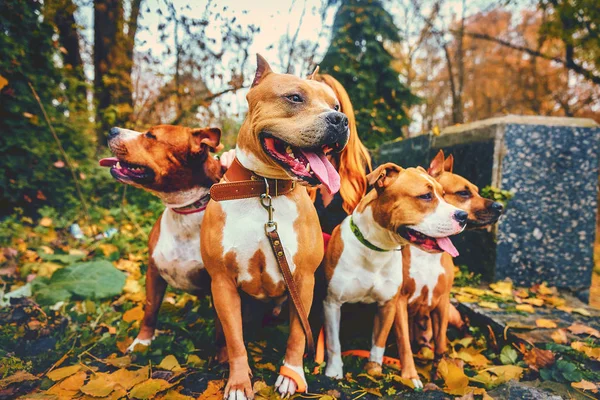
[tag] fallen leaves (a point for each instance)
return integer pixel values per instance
(591, 352)
(578, 328)
(585, 385)
(560, 336)
(545, 323)
(494, 376)
(134, 314)
(61, 373)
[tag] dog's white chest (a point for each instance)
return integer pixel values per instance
(363, 275)
(244, 234)
(425, 269)
(177, 251)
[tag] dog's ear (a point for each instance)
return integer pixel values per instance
(203, 138)
(312, 76)
(449, 163)
(262, 69)
(436, 168)
(383, 176)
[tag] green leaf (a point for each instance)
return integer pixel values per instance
(565, 366)
(508, 355)
(89, 280)
(61, 258)
(546, 374)
(573, 376)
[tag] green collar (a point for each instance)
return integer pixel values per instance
(361, 238)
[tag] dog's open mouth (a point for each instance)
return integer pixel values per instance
(309, 165)
(428, 243)
(126, 172)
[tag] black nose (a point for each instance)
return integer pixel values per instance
(461, 217)
(113, 132)
(497, 206)
(337, 119)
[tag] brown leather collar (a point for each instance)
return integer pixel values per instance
(241, 183)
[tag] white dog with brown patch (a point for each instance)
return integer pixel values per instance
(363, 262)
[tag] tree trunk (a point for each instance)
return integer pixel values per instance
(113, 64)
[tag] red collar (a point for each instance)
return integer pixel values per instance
(197, 206)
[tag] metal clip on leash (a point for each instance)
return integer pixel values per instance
(266, 201)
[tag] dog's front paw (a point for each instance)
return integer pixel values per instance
(238, 388)
(335, 368)
(143, 342)
(291, 382)
(414, 377)
(373, 369)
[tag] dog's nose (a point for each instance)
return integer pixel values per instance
(337, 119)
(113, 132)
(497, 206)
(461, 217)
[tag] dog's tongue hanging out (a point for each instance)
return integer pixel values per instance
(447, 245)
(323, 170)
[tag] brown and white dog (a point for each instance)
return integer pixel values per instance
(291, 123)
(174, 163)
(362, 262)
(428, 277)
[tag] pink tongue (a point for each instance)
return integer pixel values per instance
(446, 245)
(324, 171)
(108, 162)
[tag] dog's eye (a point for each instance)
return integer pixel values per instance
(336, 107)
(463, 193)
(295, 98)
(150, 135)
(426, 197)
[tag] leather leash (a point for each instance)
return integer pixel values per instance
(252, 186)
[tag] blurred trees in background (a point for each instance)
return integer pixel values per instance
(32, 173)
(357, 57)
(410, 66)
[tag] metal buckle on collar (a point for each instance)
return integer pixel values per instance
(267, 202)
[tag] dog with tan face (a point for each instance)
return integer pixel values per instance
(363, 262)
(175, 164)
(292, 123)
(428, 277)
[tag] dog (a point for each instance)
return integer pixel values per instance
(429, 276)
(363, 263)
(174, 163)
(291, 125)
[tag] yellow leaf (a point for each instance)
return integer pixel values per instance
(108, 249)
(195, 361)
(489, 304)
(534, 301)
(559, 336)
(522, 293)
(19, 376)
(453, 375)
(582, 311)
(555, 301)
(525, 307)
(73, 382)
(124, 344)
(132, 286)
(473, 291)
(62, 373)
(148, 389)
(504, 287)
(3, 82)
(591, 352)
(545, 323)
(134, 314)
(46, 222)
(214, 390)
(585, 385)
(173, 395)
(170, 363)
(128, 379)
(47, 269)
(472, 357)
(565, 309)
(100, 386)
(545, 290)
(465, 298)
(494, 376)
(120, 362)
